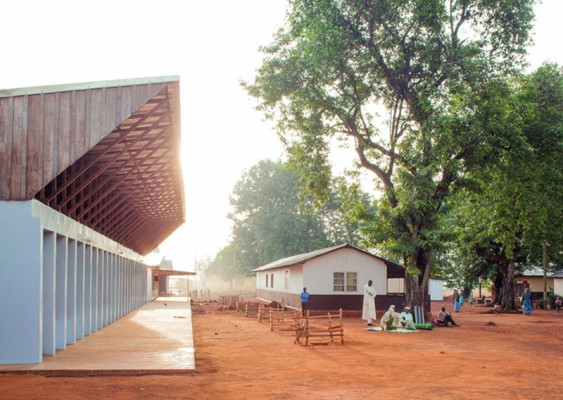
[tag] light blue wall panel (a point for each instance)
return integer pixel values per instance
(20, 284)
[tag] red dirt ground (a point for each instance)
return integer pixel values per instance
(518, 357)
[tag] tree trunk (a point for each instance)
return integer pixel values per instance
(497, 287)
(506, 300)
(416, 285)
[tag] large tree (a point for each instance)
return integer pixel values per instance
(407, 81)
(518, 208)
(273, 219)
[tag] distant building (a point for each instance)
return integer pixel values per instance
(436, 289)
(334, 277)
(557, 282)
(533, 278)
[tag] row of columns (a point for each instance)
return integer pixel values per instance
(84, 288)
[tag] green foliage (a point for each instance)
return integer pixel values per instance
(517, 205)
(412, 84)
(273, 218)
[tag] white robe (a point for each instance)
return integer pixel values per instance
(391, 314)
(369, 312)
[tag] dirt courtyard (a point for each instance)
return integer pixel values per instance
(492, 356)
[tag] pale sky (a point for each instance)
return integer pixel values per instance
(211, 45)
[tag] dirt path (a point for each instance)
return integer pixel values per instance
(492, 356)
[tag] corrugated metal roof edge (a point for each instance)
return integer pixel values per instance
(87, 85)
(300, 258)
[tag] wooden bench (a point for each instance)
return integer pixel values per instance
(320, 329)
(229, 300)
(283, 319)
(249, 309)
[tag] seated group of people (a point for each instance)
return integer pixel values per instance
(393, 320)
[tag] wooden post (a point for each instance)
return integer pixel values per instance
(545, 276)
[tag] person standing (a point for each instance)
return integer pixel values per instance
(456, 301)
(369, 312)
(527, 302)
(558, 304)
(304, 301)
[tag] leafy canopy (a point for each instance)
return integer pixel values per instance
(412, 83)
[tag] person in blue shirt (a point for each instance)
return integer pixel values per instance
(527, 302)
(304, 301)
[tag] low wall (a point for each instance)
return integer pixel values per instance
(333, 302)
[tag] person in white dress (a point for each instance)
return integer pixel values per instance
(369, 312)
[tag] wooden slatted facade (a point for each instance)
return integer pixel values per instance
(104, 154)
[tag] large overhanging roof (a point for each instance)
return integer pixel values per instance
(114, 168)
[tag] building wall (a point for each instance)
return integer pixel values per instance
(535, 283)
(285, 280)
(333, 302)
(317, 276)
(318, 272)
(436, 289)
(59, 282)
(20, 284)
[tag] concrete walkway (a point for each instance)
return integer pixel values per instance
(154, 339)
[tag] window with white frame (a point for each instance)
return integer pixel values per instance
(266, 280)
(351, 281)
(338, 281)
(272, 280)
(345, 281)
(286, 280)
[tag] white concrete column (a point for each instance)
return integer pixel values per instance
(115, 279)
(120, 292)
(80, 290)
(148, 293)
(107, 287)
(100, 277)
(95, 283)
(72, 292)
(49, 285)
(61, 291)
(87, 290)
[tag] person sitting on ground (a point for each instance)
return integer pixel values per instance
(391, 320)
(445, 318)
(407, 319)
(432, 319)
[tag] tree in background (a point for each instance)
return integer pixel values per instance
(517, 206)
(409, 82)
(272, 220)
